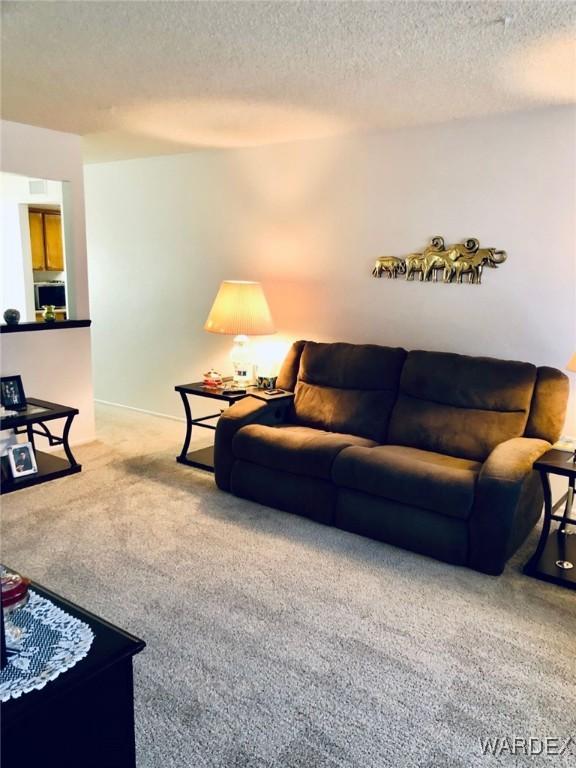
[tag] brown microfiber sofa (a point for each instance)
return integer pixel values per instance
(429, 451)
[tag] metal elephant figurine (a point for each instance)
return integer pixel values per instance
(455, 262)
(415, 265)
(421, 263)
(443, 260)
(473, 264)
(391, 266)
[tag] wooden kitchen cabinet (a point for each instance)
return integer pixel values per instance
(37, 240)
(53, 241)
(46, 240)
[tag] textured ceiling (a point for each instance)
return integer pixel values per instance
(144, 78)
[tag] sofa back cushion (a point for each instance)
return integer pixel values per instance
(459, 405)
(348, 388)
(288, 374)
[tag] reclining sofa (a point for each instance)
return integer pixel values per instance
(428, 451)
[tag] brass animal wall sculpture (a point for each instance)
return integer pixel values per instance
(455, 262)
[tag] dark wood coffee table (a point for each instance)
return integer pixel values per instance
(85, 717)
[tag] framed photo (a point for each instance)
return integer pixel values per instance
(22, 460)
(12, 395)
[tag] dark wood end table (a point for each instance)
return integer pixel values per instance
(204, 457)
(34, 422)
(85, 717)
(555, 557)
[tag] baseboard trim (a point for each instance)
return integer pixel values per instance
(140, 410)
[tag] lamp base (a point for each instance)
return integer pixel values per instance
(241, 361)
(241, 380)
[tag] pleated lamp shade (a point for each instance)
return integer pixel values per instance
(240, 308)
(571, 365)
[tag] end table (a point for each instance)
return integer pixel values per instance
(35, 420)
(204, 457)
(555, 557)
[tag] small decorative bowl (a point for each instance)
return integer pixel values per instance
(14, 591)
(212, 379)
(14, 595)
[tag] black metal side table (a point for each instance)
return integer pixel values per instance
(204, 457)
(555, 557)
(34, 421)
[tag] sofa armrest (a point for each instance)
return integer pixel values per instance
(512, 460)
(507, 504)
(249, 410)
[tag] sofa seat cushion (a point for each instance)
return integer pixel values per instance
(424, 479)
(295, 449)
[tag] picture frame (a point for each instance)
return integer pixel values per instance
(12, 395)
(22, 460)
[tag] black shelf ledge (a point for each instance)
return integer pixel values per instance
(55, 326)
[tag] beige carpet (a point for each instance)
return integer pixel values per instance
(274, 641)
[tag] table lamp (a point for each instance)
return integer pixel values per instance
(240, 309)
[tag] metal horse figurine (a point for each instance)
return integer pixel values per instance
(455, 261)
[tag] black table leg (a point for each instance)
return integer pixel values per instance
(533, 562)
(66, 444)
(30, 433)
(188, 437)
(568, 506)
(564, 562)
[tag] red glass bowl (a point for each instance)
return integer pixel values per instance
(14, 591)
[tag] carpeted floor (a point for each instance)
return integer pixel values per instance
(274, 641)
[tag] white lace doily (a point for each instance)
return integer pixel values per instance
(52, 641)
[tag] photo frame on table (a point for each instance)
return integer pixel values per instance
(12, 395)
(22, 460)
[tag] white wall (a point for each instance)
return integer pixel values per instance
(55, 365)
(308, 219)
(14, 287)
